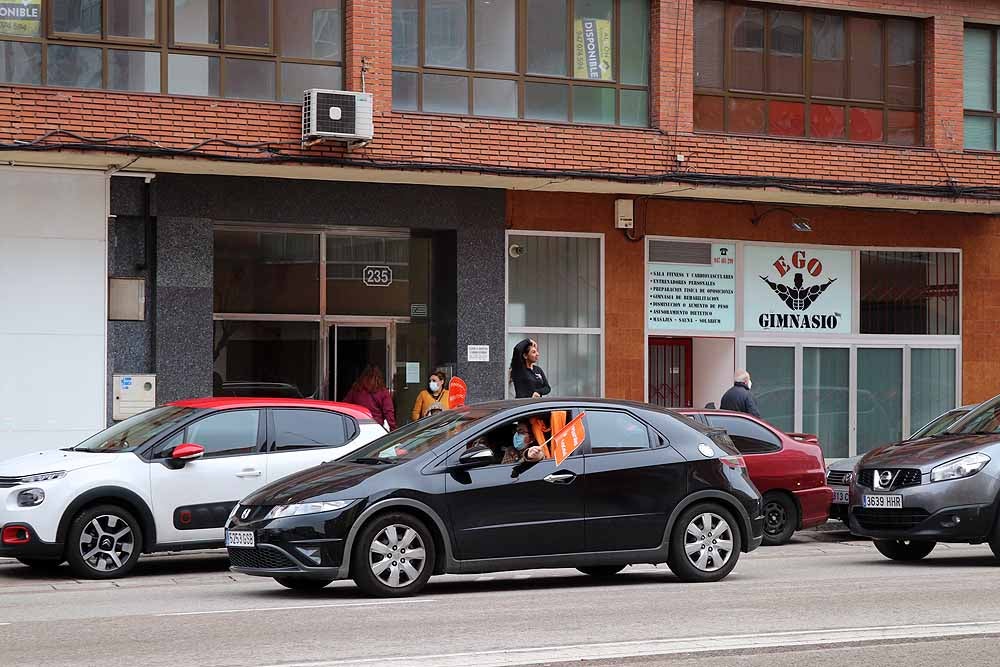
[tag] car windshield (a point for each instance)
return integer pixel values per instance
(939, 425)
(421, 436)
(134, 431)
(984, 419)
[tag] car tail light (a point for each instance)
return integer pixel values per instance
(15, 535)
(734, 462)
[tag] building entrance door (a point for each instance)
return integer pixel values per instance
(352, 348)
(670, 364)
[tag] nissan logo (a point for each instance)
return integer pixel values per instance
(245, 514)
(884, 479)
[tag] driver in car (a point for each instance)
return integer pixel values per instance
(523, 446)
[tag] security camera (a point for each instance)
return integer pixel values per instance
(516, 250)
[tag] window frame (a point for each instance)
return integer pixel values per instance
(520, 76)
(155, 452)
(807, 98)
(994, 88)
(588, 446)
(164, 45)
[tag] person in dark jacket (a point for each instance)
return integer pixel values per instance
(369, 391)
(528, 377)
(739, 398)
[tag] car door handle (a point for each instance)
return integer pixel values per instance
(249, 473)
(560, 478)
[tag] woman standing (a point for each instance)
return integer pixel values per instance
(528, 377)
(369, 391)
(434, 393)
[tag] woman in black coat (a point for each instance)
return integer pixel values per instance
(528, 377)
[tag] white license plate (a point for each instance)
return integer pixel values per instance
(239, 538)
(841, 496)
(883, 502)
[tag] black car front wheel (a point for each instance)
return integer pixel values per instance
(705, 543)
(393, 556)
(303, 584)
(905, 550)
(781, 518)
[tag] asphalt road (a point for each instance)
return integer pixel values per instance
(818, 601)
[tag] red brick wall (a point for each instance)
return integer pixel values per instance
(977, 236)
(27, 113)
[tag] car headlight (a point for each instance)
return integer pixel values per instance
(298, 509)
(30, 498)
(43, 477)
(959, 468)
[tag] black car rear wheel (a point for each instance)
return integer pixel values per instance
(781, 518)
(393, 556)
(602, 571)
(303, 584)
(905, 550)
(705, 544)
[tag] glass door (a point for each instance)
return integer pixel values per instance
(353, 348)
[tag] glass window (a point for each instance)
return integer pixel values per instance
(193, 75)
(763, 51)
(610, 432)
(266, 272)
(79, 17)
(232, 433)
(880, 397)
(979, 133)
(495, 97)
(137, 71)
(547, 37)
(773, 372)
(547, 293)
(496, 35)
(136, 430)
(572, 362)
(134, 19)
(604, 40)
(266, 359)
(73, 67)
(932, 384)
(748, 436)
(248, 23)
(446, 94)
(308, 429)
(20, 62)
(981, 75)
(403, 277)
(310, 29)
(826, 398)
(249, 79)
(196, 22)
(297, 77)
(404, 91)
(910, 292)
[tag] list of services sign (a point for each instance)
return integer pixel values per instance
(693, 297)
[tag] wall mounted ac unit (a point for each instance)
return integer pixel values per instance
(337, 114)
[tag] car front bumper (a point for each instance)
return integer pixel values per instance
(35, 547)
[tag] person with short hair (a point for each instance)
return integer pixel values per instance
(739, 398)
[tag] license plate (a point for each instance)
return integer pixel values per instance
(883, 502)
(239, 538)
(841, 496)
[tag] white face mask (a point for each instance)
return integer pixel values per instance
(434, 386)
(749, 383)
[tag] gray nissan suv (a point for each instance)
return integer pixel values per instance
(943, 488)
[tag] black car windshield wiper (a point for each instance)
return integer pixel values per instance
(373, 461)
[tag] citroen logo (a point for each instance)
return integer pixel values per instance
(245, 514)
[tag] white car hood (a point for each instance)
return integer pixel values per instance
(53, 460)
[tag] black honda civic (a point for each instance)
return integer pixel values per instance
(589, 484)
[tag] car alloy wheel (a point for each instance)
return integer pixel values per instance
(708, 542)
(107, 543)
(774, 518)
(397, 555)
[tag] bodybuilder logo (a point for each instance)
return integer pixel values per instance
(798, 296)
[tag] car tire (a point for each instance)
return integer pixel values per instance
(381, 565)
(904, 550)
(695, 543)
(602, 571)
(781, 518)
(303, 584)
(41, 564)
(103, 542)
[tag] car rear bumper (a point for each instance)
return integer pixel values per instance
(963, 523)
(815, 505)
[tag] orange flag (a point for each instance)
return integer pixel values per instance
(568, 439)
(457, 392)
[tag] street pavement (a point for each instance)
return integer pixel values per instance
(825, 599)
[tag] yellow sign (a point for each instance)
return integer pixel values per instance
(593, 49)
(21, 18)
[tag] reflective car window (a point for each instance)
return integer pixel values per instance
(939, 424)
(226, 433)
(615, 432)
(748, 436)
(420, 436)
(984, 419)
(307, 429)
(134, 431)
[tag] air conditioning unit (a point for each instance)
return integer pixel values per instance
(337, 114)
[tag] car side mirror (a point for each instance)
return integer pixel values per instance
(476, 457)
(181, 454)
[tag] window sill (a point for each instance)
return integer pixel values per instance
(519, 121)
(810, 140)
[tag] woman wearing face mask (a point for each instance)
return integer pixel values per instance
(523, 446)
(528, 377)
(434, 393)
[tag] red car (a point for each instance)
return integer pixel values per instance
(787, 468)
